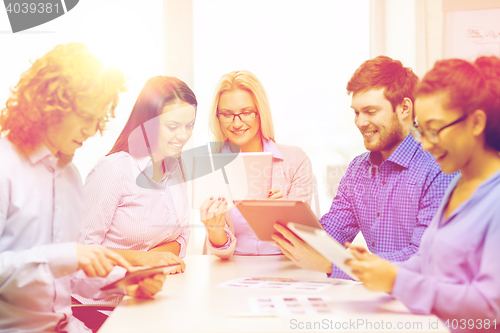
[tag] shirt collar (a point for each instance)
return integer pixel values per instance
(402, 155)
(43, 154)
(40, 153)
(268, 145)
(480, 193)
(145, 165)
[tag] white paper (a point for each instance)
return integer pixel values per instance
(275, 284)
(291, 305)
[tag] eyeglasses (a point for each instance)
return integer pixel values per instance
(244, 116)
(431, 134)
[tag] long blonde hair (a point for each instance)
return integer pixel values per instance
(243, 80)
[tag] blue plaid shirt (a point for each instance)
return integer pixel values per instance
(391, 203)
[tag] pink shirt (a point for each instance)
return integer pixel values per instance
(292, 174)
(125, 209)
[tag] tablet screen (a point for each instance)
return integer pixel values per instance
(236, 177)
(261, 215)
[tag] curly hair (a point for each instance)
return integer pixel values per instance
(60, 82)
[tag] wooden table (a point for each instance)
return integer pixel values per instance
(191, 302)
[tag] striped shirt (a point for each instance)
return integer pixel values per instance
(126, 209)
(391, 204)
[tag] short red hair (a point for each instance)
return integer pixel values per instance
(383, 72)
(56, 84)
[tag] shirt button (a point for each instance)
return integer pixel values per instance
(373, 244)
(57, 240)
(383, 182)
(378, 214)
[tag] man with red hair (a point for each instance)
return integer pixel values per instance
(62, 100)
(390, 193)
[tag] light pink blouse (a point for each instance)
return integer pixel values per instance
(125, 209)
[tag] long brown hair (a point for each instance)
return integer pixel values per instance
(156, 93)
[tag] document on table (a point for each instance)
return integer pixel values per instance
(276, 284)
(290, 305)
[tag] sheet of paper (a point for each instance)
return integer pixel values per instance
(291, 305)
(275, 284)
(475, 33)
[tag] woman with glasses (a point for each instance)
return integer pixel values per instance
(240, 114)
(456, 272)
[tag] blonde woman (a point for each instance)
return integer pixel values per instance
(240, 114)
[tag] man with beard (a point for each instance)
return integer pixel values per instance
(390, 193)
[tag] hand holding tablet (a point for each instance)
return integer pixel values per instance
(133, 278)
(325, 245)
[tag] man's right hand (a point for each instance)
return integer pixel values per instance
(96, 260)
(301, 253)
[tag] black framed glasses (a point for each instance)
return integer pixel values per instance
(432, 135)
(246, 116)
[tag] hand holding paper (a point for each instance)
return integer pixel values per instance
(303, 255)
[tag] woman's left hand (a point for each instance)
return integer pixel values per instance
(147, 287)
(377, 274)
(274, 193)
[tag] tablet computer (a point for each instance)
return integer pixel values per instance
(235, 176)
(135, 277)
(261, 215)
(324, 244)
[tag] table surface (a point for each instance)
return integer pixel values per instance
(192, 302)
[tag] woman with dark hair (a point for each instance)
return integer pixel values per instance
(456, 272)
(136, 197)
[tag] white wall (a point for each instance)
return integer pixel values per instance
(304, 54)
(393, 30)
